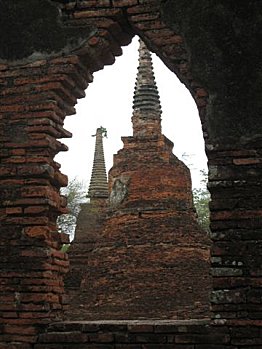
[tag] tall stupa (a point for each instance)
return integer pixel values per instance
(151, 260)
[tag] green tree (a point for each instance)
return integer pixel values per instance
(201, 197)
(75, 195)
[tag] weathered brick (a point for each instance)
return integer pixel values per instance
(98, 13)
(124, 3)
(247, 161)
(144, 8)
(90, 3)
(101, 337)
(26, 330)
(37, 230)
(14, 210)
(6, 171)
(17, 345)
(16, 338)
(63, 337)
(140, 328)
(149, 25)
(205, 339)
(128, 346)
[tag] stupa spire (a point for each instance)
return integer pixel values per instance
(98, 187)
(146, 117)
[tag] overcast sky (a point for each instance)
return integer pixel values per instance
(108, 103)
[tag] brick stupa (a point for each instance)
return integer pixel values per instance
(89, 224)
(151, 259)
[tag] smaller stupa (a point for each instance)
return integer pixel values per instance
(89, 226)
(98, 187)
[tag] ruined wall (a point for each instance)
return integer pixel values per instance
(219, 60)
(78, 283)
(39, 87)
(151, 259)
(215, 49)
(32, 265)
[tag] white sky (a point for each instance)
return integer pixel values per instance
(108, 103)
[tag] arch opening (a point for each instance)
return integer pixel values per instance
(108, 103)
(115, 102)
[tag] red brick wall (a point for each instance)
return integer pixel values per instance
(34, 101)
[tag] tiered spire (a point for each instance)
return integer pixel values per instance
(98, 187)
(146, 103)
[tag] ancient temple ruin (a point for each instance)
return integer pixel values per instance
(149, 258)
(49, 52)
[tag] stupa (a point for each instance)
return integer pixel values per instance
(151, 259)
(89, 223)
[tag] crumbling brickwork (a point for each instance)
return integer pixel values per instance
(150, 258)
(33, 106)
(90, 223)
(215, 49)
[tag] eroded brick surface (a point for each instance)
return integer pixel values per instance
(152, 259)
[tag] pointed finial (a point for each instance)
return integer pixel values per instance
(98, 187)
(146, 103)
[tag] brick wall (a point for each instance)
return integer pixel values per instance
(34, 101)
(135, 335)
(236, 220)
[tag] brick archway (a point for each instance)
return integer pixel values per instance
(38, 91)
(117, 22)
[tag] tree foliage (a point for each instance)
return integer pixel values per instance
(75, 195)
(201, 197)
